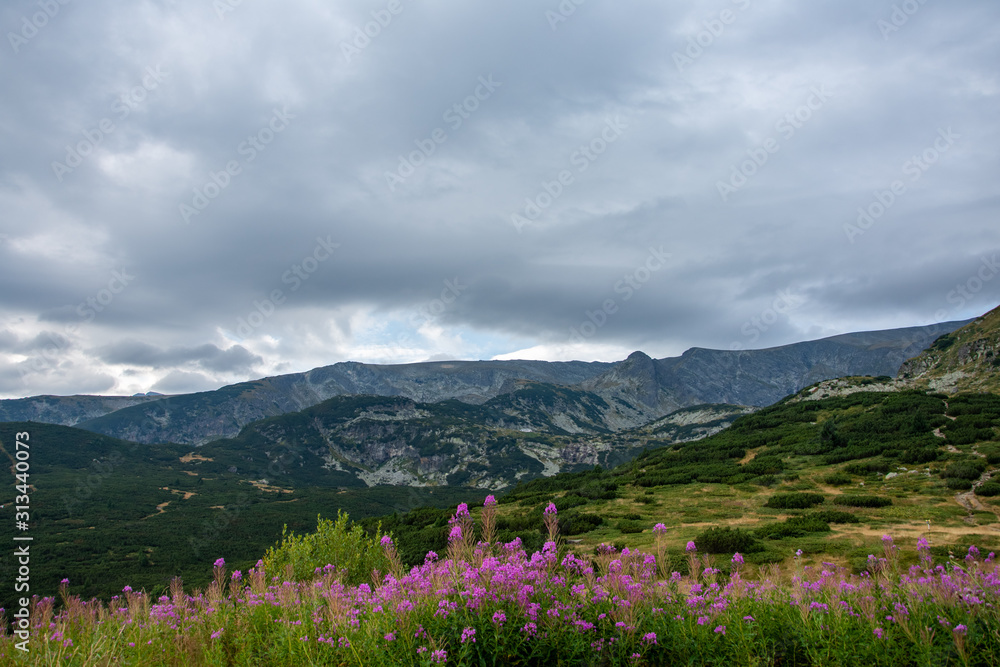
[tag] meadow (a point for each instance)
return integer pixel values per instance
(342, 596)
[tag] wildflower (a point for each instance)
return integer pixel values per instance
(960, 629)
(721, 630)
(649, 638)
(344, 642)
(659, 529)
(127, 589)
(469, 634)
(748, 619)
(390, 637)
(691, 547)
(456, 533)
(877, 632)
(702, 620)
(798, 553)
(64, 581)
(237, 575)
(439, 655)
(737, 559)
(551, 509)
(490, 501)
(220, 562)
(386, 542)
(500, 618)
(217, 633)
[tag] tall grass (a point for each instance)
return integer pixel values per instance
(489, 603)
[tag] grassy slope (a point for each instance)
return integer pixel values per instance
(727, 479)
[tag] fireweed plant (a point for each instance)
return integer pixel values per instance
(489, 603)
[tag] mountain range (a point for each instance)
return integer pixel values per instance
(593, 397)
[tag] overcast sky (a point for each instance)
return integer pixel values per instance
(194, 193)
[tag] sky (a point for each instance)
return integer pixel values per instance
(199, 193)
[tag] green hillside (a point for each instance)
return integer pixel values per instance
(829, 477)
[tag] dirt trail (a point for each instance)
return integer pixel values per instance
(159, 509)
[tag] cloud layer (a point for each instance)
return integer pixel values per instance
(197, 193)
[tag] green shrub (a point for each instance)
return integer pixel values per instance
(964, 470)
(868, 468)
(833, 516)
(340, 543)
(577, 524)
(794, 501)
(862, 501)
(958, 484)
(567, 502)
(989, 489)
(838, 479)
(627, 526)
(796, 526)
(727, 540)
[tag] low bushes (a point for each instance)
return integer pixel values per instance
(862, 501)
(794, 501)
(727, 541)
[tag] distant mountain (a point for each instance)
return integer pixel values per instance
(967, 359)
(67, 410)
(609, 397)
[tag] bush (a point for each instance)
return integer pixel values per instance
(958, 484)
(627, 526)
(577, 524)
(796, 526)
(340, 543)
(837, 479)
(988, 490)
(868, 468)
(862, 501)
(833, 516)
(794, 501)
(727, 541)
(964, 470)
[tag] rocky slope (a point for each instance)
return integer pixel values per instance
(965, 360)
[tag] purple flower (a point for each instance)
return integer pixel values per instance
(386, 542)
(237, 575)
(127, 589)
(455, 534)
(649, 638)
(737, 558)
(439, 655)
(64, 581)
(691, 547)
(390, 637)
(220, 563)
(217, 633)
(798, 553)
(721, 630)
(469, 634)
(960, 629)
(500, 618)
(551, 509)
(877, 632)
(659, 529)
(490, 501)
